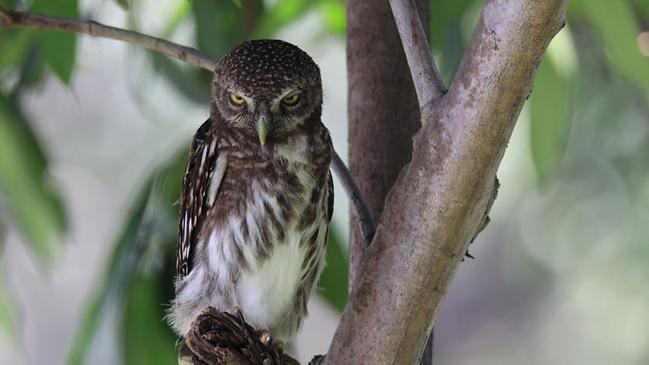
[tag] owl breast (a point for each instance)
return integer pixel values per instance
(264, 248)
(267, 290)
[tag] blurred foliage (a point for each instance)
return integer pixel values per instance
(222, 24)
(618, 27)
(143, 329)
(59, 48)
(550, 109)
(119, 273)
(148, 236)
(6, 311)
(34, 204)
(333, 281)
(593, 74)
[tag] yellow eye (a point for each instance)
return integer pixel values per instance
(291, 100)
(236, 99)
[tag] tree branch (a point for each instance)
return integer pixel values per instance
(439, 200)
(425, 76)
(361, 212)
(12, 19)
(428, 84)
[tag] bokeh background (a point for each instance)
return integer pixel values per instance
(94, 136)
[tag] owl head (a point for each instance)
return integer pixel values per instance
(266, 88)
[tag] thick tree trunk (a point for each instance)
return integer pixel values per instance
(382, 108)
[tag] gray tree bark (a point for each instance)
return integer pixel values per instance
(439, 200)
(383, 111)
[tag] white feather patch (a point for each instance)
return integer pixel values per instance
(219, 170)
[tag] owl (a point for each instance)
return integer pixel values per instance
(257, 193)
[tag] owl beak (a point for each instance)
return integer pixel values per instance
(263, 128)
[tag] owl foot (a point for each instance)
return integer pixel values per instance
(239, 314)
(266, 338)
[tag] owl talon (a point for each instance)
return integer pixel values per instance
(239, 315)
(266, 338)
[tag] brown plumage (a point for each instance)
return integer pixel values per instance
(257, 192)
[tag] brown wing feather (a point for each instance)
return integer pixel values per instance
(193, 197)
(330, 202)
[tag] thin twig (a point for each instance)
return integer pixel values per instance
(354, 194)
(428, 84)
(40, 21)
(10, 19)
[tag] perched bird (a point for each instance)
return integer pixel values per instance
(257, 194)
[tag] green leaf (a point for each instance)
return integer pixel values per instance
(13, 45)
(8, 4)
(146, 338)
(221, 25)
(59, 48)
(177, 16)
(192, 83)
(31, 71)
(550, 119)
(333, 281)
(618, 29)
(24, 179)
(283, 13)
(124, 4)
(643, 8)
(334, 14)
(120, 270)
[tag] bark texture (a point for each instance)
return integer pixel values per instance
(382, 107)
(438, 202)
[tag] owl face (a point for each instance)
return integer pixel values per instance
(266, 88)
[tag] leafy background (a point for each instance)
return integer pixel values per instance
(93, 138)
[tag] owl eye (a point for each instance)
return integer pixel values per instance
(236, 100)
(291, 100)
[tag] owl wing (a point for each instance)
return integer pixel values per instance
(201, 181)
(330, 200)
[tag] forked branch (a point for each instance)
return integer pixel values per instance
(438, 202)
(428, 84)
